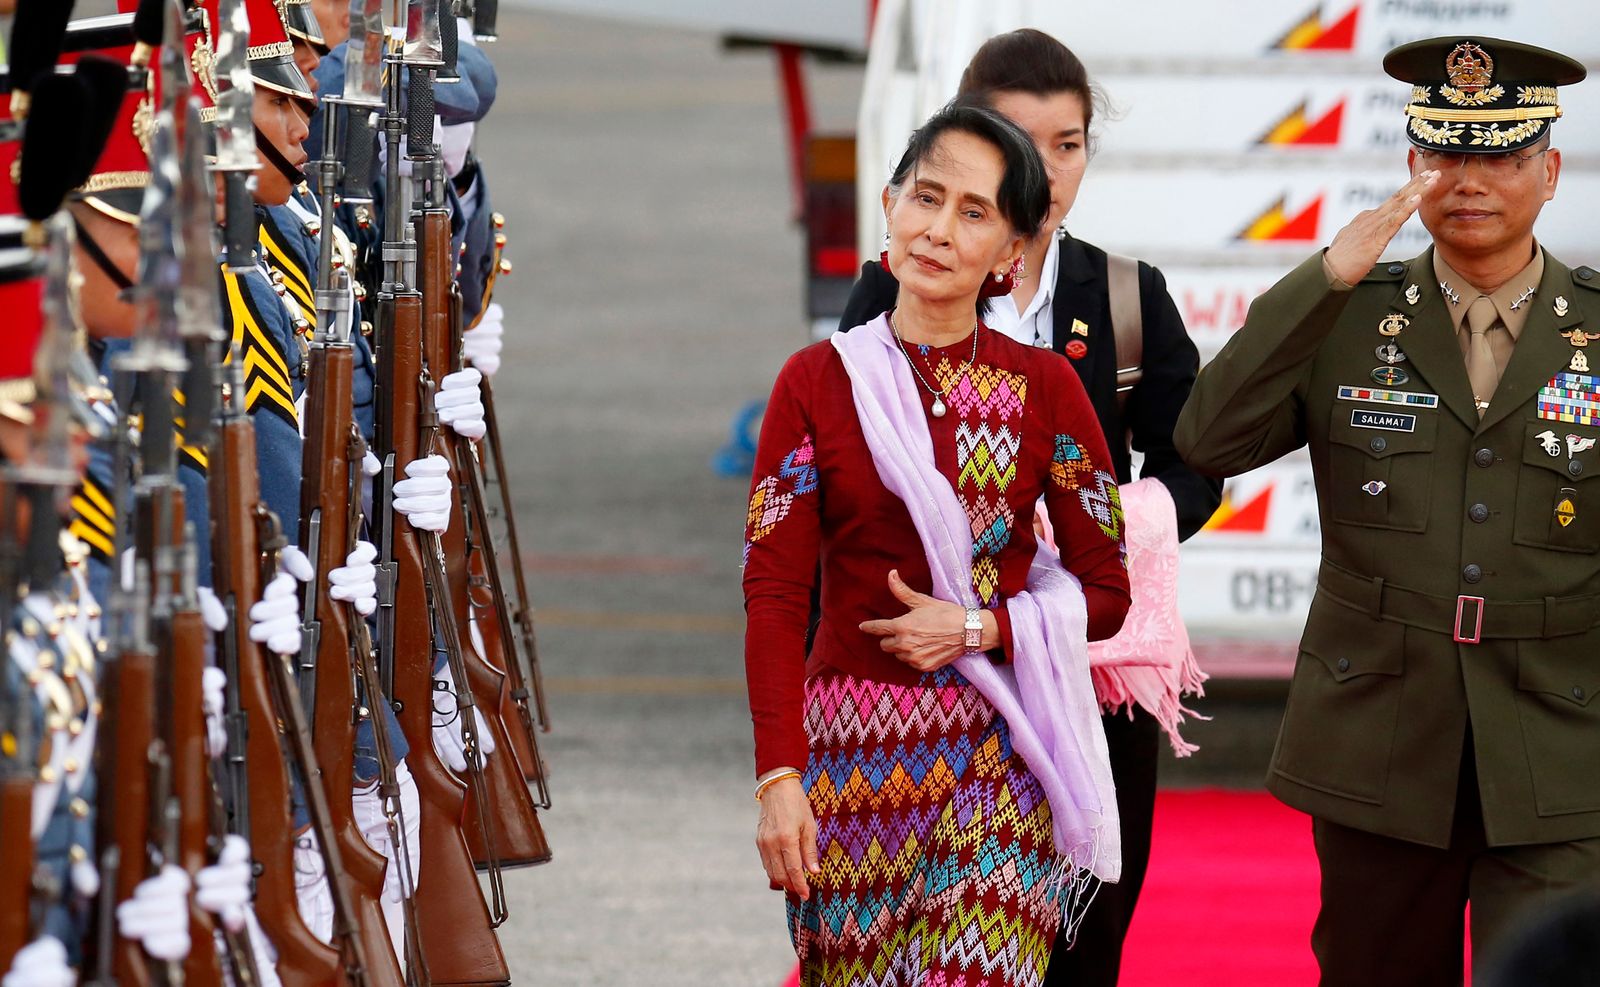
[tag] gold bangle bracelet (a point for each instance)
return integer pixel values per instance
(761, 789)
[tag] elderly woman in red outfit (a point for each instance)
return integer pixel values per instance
(936, 765)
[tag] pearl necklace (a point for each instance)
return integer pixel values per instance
(939, 407)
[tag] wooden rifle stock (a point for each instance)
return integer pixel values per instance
(16, 865)
(458, 941)
(237, 516)
(126, 731)
(512, 835)
(325, 505)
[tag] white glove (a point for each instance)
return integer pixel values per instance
(460, 404)
(85, 878)
(213, 681)
(41, 963)
(158, 914)
(212, 611)
(223, 889)
(447, 725)
(454, 143)
(294, 562)
(370, 464)
(424, 496)
(275, 620)
(357, 580)
(482, 343)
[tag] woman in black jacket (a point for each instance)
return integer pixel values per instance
(1062, 301)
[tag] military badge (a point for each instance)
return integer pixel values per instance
(1547, 439)
(1561, 306)
(1577, 337)
(1580, 363)
(1393, 324)
(1374, 487)
(1413, 295)
(1577, 444)
(1390, 353)
(1389, 376)
(1566, 510)
(1471, 74)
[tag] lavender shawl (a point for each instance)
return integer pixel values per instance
(1045, 694)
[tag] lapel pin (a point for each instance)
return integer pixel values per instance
(1561, 306)
(1413, 295)
(1374, 487)
(1552, 445)
(1393, 324)
(1077, 349)
(1080, 328)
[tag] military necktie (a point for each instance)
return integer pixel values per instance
(1481, 368)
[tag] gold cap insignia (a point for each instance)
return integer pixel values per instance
(1469, 67)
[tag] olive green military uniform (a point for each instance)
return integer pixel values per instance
(1431, 518)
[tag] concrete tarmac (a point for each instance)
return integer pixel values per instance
(643, 174)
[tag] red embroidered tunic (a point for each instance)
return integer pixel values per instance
(1019, 426)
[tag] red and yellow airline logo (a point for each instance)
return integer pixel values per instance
(1312, 34)
(1277, 226)
(1299, 130)
(1247, 518)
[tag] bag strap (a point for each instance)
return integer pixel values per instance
(1127, 322)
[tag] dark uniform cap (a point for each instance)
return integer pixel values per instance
(117, 183)
(301, 22)
(1480, 95)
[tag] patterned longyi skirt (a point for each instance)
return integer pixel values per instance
(938, 868)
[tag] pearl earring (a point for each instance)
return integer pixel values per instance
(998, 277)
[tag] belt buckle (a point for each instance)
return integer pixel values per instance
(1477, 620)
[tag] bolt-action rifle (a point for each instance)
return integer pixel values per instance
(458, 940)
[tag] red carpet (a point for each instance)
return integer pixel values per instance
(1230, 896)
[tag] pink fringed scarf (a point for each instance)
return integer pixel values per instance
(1045, 694)
(1149, 661)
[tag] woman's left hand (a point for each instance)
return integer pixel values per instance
(930, 635)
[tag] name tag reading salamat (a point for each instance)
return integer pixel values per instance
(1386, 420)
(1377, 395)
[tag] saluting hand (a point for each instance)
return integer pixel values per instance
(1359, 245)
(931, 634)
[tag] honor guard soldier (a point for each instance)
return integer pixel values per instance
(1442, 724)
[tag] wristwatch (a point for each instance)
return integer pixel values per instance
(974, 628)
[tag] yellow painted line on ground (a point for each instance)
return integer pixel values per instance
(661, 623)
(646, 685)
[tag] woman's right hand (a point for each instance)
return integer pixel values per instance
(786, 837)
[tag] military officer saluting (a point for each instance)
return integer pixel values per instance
(1442, 726)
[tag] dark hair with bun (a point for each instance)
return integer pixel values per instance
(1028, 61)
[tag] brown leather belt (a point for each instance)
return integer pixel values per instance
(1467, 619)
